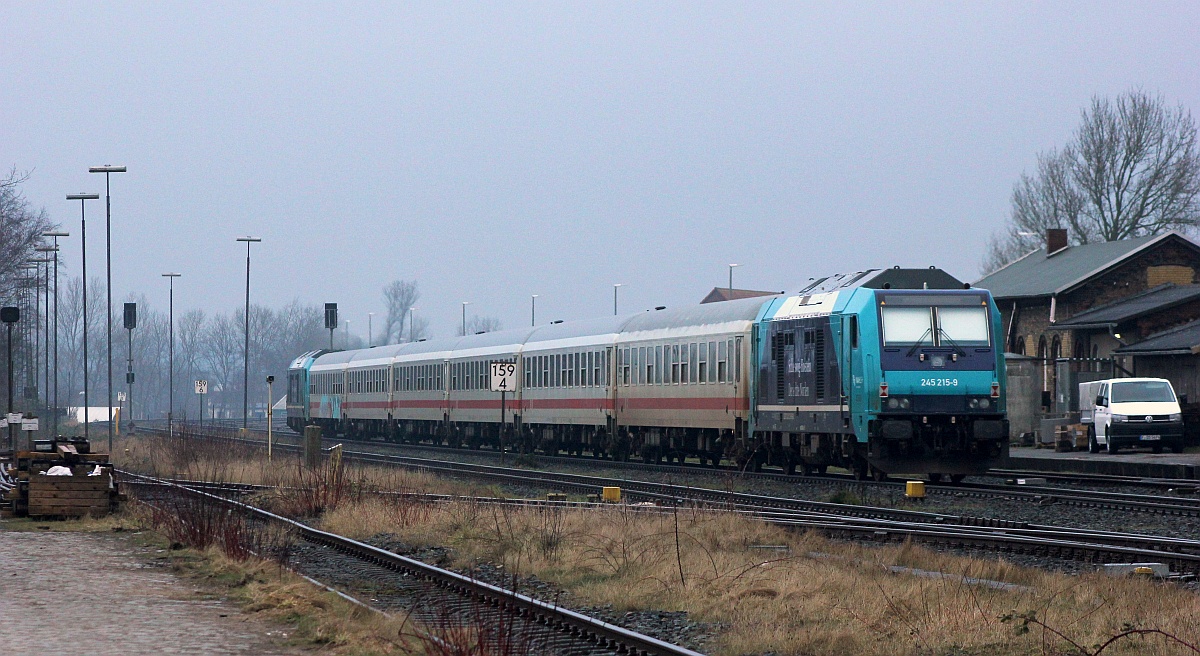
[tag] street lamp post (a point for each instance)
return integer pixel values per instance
(46, 378)
(731, 266)
(412, 329)
(82, 198)
(107, 170)
(533, 310)
(615, 286)
(464, 320)
(171, 353)
(246, 345)
(370, 328)
(55, 236)
(10, 315)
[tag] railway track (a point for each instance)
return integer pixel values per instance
(843, 520)
(439, 595)
(1038, 494)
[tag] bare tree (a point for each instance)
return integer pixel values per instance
(21, 229)
(479, 324)
(1131, 169)
(400, 296)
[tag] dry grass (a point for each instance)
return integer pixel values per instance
(202, 460)
(817, 597)
(814, 597)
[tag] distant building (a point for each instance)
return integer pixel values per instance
(726, 294)
(1084, 312)
(1072, 301)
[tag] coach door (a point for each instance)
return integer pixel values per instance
(611, 368)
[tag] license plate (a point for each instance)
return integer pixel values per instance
(1150, 438)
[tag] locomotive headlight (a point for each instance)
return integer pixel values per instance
(904, 404)
(973, 404)
(893, 403)
(985, 403)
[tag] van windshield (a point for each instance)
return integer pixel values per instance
(1146, 391)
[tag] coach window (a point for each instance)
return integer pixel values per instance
(581, 368)
(703, 371)
(570, 370)
(722, 362)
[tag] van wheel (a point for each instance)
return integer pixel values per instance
(1111, 446)
(1093, 445)
(1176, 448)
(1157, 448)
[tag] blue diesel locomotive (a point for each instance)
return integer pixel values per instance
(880, 372)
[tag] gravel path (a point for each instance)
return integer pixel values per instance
(77, 593)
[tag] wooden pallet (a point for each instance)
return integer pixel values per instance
(70, 496)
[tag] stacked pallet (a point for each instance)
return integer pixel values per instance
(88, 490)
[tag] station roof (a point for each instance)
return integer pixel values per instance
(1040, 274)
(1182, 340)
(1152, 300)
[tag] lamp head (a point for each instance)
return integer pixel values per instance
(107, 168)
(83, 196)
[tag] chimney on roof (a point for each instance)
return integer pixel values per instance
(1056, 240)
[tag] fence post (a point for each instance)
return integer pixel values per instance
(312, 446)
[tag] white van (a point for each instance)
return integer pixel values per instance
(1128, 412)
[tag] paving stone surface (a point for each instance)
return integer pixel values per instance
(80, 593)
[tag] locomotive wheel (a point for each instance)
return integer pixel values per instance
(1093, 445)
(860, 471)
(878, 475)
(935, 478)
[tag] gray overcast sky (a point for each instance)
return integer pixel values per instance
(492, 151)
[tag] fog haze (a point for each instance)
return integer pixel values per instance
(495, 151)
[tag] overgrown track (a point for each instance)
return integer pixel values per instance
(840, 520)
(548, 628)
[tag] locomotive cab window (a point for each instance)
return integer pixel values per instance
(964, 326)
(906, 326)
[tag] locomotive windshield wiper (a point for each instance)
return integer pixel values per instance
(920, 341)
(958, 349)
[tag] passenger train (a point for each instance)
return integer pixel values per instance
(883, 371)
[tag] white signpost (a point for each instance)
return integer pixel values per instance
(201, 390)
(504, 376)
(504, 380)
